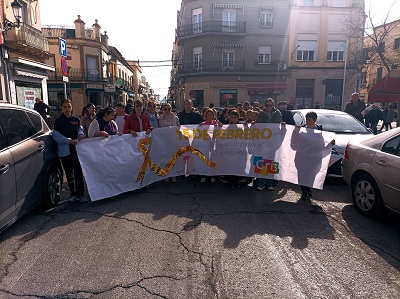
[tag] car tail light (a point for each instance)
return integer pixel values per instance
(346, 152)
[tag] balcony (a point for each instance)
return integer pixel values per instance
(212, 67)
(211, 27)
(28, 40)
(78, 75)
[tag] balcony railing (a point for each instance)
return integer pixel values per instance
(212, 66)
(31, 36)
(212, 26)
(80, 75)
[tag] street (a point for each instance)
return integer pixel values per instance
(203, 240)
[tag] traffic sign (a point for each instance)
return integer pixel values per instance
(192, 94)
(64, 66)
(65, 79)
(63, 47)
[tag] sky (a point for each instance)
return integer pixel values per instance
(145, 30)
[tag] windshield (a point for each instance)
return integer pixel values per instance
(341, 123)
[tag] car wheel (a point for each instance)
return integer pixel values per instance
(366, 196)
(52, 187)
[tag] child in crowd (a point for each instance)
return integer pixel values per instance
(67, 133)
(249, 116)
(210, 117)
(104, 124)
(311, 123)
(88, 115)
(120, 117)
(233, 180)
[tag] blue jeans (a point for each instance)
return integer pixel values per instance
(264, 182)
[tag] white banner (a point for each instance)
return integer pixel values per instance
(124, 163)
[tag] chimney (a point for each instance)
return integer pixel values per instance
(96, 31)
(79, 28)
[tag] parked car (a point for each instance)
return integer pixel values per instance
(372, 167)
(30, 171)
(344, 125)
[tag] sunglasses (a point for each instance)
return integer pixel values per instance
(269, 105)
(167, 109)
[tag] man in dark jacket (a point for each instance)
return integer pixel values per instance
(355, 107)
(42, 108)
(287, 116)
(188, 116)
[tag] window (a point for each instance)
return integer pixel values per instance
(36, 121)
(306, 50)
(336, 51)
(379, 73)
(308, 3)
(228, 20)
(392, 146)
(197, 20)
(396, 44)
(338, 3)
(198, 57)
(264, 55)
(266, 18)
(228, 60)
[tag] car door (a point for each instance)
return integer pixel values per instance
(387, 162)
(27, 154)
(7, 181)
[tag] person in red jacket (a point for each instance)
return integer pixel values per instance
(137, 121)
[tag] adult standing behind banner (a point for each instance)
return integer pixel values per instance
(104, 124)
(268, 115)
(287, 116)
(188, 116)
(42, 108)
(152, 114)
(137, 121)
(355, 107)
(168, 119)
(88, 114)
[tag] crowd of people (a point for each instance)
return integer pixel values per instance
(133, 118)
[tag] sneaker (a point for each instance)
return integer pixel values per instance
(243, 180)
(305, 196)
(259, 188)
(173, 179)
(213, 180)
(270, 188)
(275, 183)
(203, 180)
(72, 198)
(223, 180)
(81, 199)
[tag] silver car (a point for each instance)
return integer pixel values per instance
(30, 171)
(345, 127)
(372, 167)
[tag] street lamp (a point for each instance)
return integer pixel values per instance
(17, 11)
(107, 64)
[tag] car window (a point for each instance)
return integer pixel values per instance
(341, 123)
(36, 121)
(3, 137)
(16, 125)
(392, 146)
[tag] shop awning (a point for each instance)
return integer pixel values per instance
(386, 90)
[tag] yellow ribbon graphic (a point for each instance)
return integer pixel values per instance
(145, 145)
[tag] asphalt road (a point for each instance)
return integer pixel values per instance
(194, 240)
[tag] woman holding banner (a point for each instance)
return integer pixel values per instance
(137, 121)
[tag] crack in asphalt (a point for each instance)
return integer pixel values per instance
(78, 294)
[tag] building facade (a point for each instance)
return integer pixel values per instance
(97, 73)
(24, 54)
(227, 53)
(301, 51)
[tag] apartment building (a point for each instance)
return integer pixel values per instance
(228, 52)
(306, 52)
(24, 53)
(97, 73)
